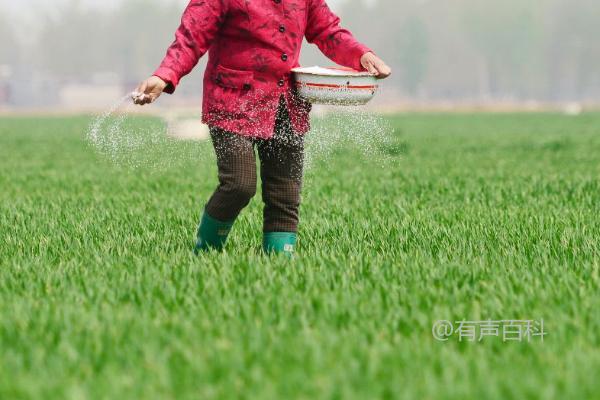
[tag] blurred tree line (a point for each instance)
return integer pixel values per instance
(439, 49)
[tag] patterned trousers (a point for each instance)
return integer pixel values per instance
(281, 169)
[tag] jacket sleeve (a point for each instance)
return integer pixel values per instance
(338, 44)
(200, 23)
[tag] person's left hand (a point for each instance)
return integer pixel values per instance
(375, 65)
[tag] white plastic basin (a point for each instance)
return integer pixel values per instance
(339, 86)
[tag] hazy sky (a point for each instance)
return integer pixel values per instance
(24, 5)
(28, 11)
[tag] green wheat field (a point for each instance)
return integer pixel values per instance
(472, 217)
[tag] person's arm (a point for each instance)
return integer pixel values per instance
(200, 23)
(338, 44)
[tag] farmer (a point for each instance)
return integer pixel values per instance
(250, 102)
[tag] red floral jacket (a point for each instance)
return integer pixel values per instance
(253, 45)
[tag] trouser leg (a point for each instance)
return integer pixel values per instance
(281, 169)
(237, 185)
(237, 175)
(282, 162)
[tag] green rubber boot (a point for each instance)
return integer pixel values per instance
(212, 233)
(280, 243)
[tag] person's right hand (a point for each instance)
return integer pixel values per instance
(149, 90)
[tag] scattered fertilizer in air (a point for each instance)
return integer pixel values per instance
(134, 141)
(351, 128)
(131, 140)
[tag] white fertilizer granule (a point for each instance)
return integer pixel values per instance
(353, 128)
(131, 140)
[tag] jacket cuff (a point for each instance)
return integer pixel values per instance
(170, 77)
(357, 54)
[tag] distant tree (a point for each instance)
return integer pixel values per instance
(573, 53)
(506, 35)
(72, 43)
(397, 31)
(129, 40)
(9, 45)
(413, 53)
(137, 50)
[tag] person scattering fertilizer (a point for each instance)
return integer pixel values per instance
(250, 102)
